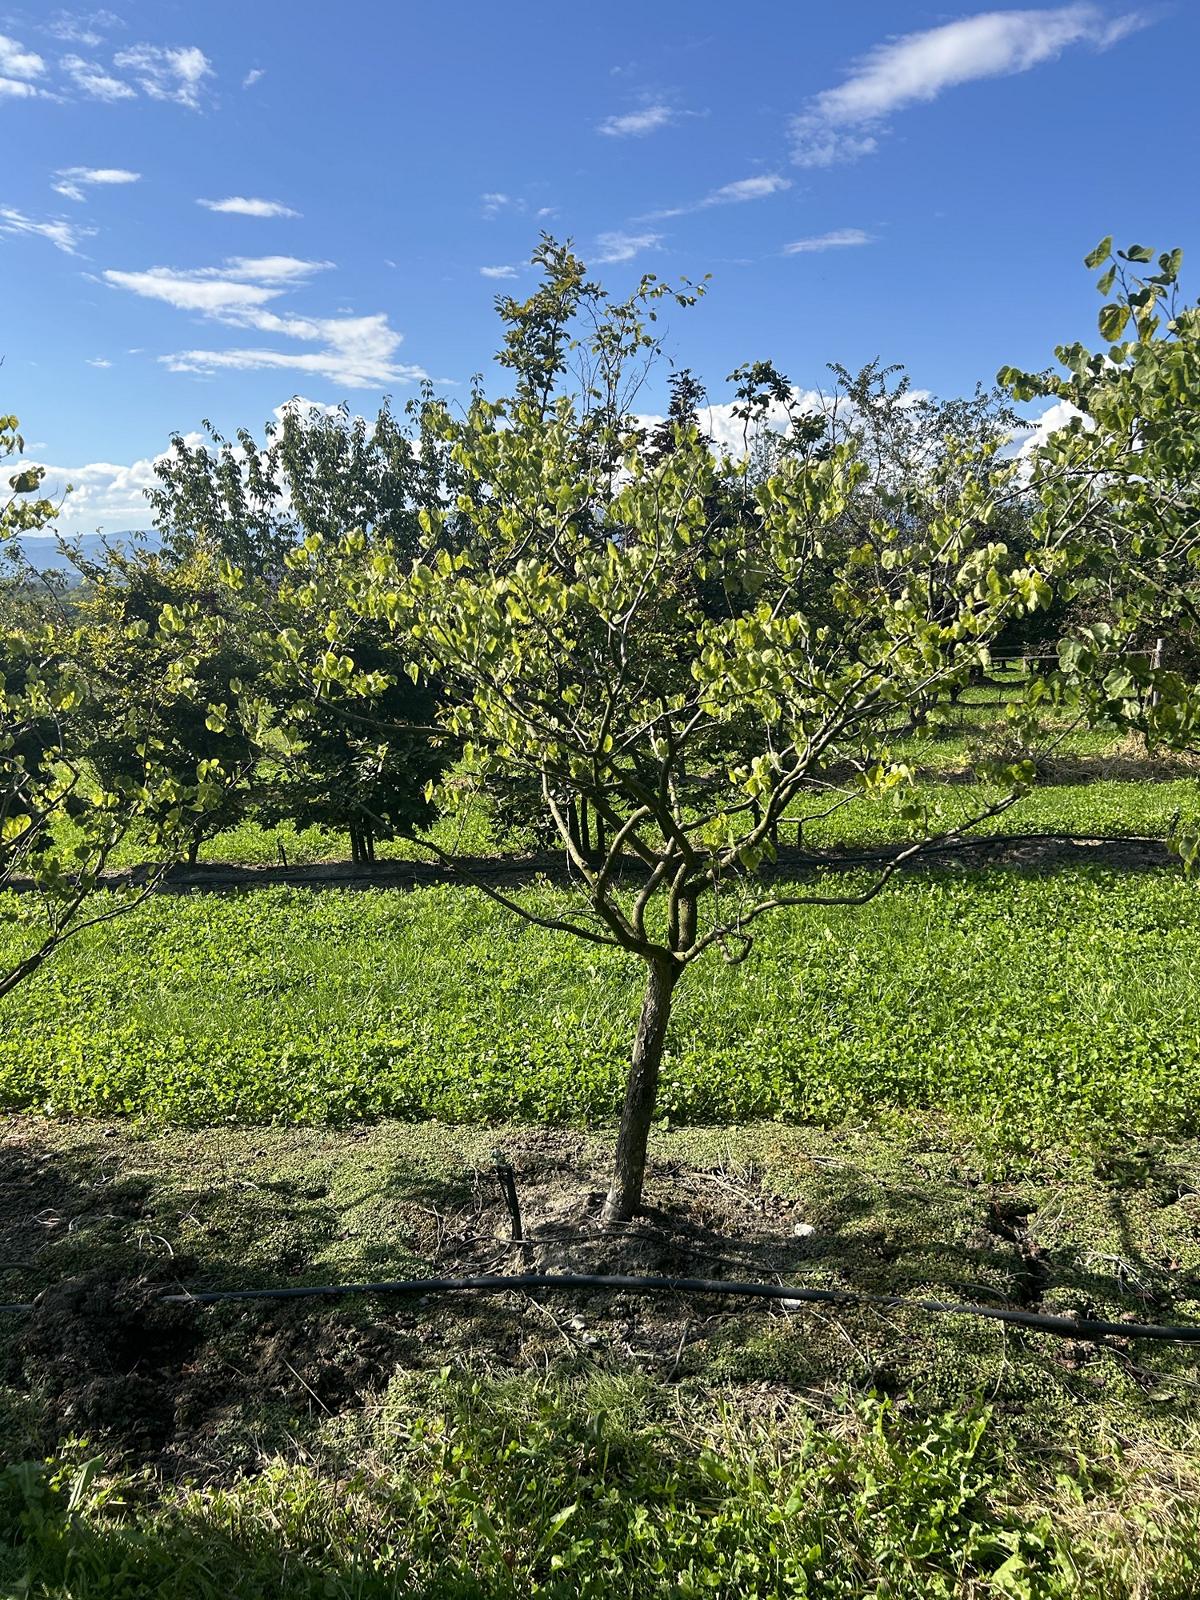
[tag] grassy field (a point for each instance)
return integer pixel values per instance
(984, 1085)
(593, 1444)
(294, 1006)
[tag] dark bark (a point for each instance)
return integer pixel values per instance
(641, 1090)
(193, 849)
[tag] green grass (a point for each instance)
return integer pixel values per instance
(968, 1041)
(1103, 806)
(1065, 1000)
(1098, 809)
(579, 1445)
(453, 1488)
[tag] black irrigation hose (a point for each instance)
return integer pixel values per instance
(1085, 1328)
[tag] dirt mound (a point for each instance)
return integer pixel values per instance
(111, 1356)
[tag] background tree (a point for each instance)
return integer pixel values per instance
(317, 474)
(63, 686)
(131, 611)
(572, 627)
(1123, 474)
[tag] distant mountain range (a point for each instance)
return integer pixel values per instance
(43, 552)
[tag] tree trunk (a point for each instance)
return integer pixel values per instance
(193, 849)
(641, 1091)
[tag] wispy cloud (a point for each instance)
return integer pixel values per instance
(240, 206)
(255, 75)
(495, 201)
(737, 193)
(498, 272)
(65, 236)
(72, 181)
(619, 246)
(633, 124)
(168, 72)
(18, 68)
(352, 352)
(83, 27)
(839, 239)
(846, 122)
(98, 361)
(93, 80)
(234, 290)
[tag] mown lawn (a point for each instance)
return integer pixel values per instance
(1042, 1003)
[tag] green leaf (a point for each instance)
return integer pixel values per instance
(1101, 253)
(1114, 318)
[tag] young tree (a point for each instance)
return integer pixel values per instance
(618, 625)
(62, 684)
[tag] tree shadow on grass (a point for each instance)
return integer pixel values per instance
(98, 1229)
(1031, 852)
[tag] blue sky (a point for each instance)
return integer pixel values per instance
(209, 209)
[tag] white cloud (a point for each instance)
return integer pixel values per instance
(619, 246)
(273, 269)
(729, 432)
(104, 494)
(756, 188)
(354, 352)
(253, 76)
(495, 201)
(82, 27)
(633, 124)
(73, 180)
(240, 286)
(498, 272)
(839, 239)
(18, 89)
(843, 123)
(66, 236)
(193, 291)
(737, 193)
(1059, 414)
(93, 80)
(240, 206)
(17, 62)
(168, 72)
(98, 361)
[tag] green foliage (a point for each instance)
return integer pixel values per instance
(137, 614)
(316, 472)
(67, 688)
(1121, 483)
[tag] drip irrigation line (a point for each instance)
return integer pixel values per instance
(1090, 1329)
